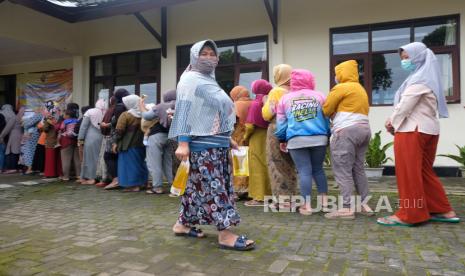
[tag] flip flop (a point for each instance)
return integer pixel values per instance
(392, 222)
(339, 215)
(305, 212)
(134, 189)
(254, 203)
(325, 209)
(193, 233)
(112, 186)
(368, 213)
(437, 218)
(153, 192)
(239, 245)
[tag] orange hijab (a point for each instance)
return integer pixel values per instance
(242, 101)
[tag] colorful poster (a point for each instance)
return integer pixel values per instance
(35, 89)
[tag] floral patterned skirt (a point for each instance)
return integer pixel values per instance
(209, 194)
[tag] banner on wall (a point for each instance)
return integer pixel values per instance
(35, 89)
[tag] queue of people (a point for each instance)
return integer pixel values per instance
(288, 128)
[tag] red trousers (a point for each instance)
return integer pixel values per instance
(52, 162)
(420, 191)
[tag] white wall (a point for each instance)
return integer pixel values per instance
(187, 23)
(38, 66)
(23, 24)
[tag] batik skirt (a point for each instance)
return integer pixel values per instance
(209, 195)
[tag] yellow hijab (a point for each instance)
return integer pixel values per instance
(282, 75)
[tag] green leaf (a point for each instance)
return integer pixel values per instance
(458, 158)
(376, 154)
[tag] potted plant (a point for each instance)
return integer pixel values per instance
(375, 156)
(458, 158)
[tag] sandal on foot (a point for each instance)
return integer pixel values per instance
(325, 209)
(101, 184)
(305, 211)
(88, 182)
(254, 203)
(239, 245)
(439, 218)
(286, 207)
(193, 233)
(366, 211)
(111, 186)
(156, 191)
(340, 215)
(132, 189)
(388, 221)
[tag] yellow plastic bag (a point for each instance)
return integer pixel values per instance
(241, 161)
(180, 180)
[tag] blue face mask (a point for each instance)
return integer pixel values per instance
(407, 65)
(335, 80)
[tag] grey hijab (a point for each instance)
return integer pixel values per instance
(169, 101)
(427, 72)
(202, 106)
(7, 112)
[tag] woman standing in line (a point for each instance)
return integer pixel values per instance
(418, 103)
(90, 137)
(13, 132)
(132, 169)
(159, 159)
(255, 136)
(203, 123)
(30, 138)
(303, 130)
(281, 169)
(241, 98)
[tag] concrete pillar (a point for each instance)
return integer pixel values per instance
(80, 92)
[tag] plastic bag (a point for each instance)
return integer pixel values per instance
(241, 161)
(180, 180)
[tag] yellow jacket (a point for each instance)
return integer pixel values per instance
(347, 101)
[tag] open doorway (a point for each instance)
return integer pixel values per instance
(8, 90)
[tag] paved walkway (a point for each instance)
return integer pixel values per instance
(67, 229)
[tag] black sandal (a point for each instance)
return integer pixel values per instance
(193, 233)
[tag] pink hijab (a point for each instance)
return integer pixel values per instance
(96, 114)
(261, 88)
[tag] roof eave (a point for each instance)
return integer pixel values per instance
(79, 14)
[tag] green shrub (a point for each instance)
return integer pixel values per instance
(376, 154)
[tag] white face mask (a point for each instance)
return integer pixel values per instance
(335, 80)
